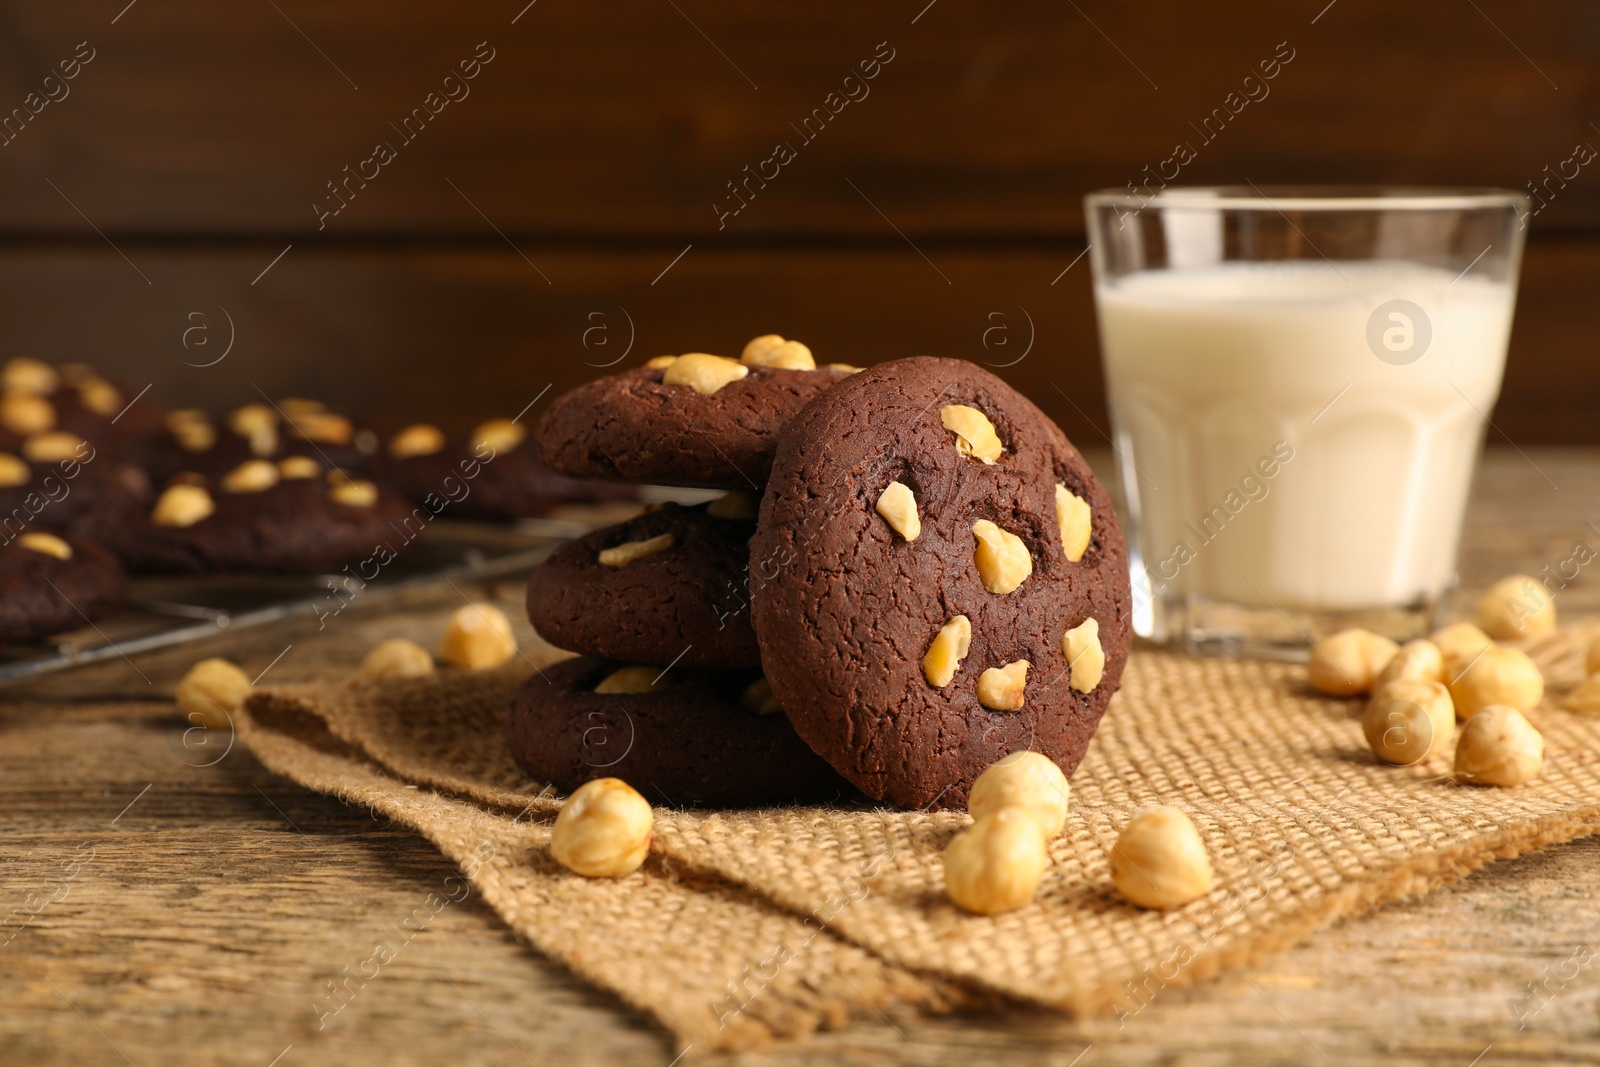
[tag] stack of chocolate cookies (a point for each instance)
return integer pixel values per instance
(668, 691)
(912, 573)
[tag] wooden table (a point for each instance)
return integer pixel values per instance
(199, 909)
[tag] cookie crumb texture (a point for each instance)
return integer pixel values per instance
(689, 742)
(686, 604)
(845, 609)
(634, 427)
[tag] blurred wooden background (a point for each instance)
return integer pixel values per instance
(160, 204)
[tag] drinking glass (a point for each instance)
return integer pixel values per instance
(1299, 380)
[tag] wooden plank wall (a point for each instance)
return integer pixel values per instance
(174, 193)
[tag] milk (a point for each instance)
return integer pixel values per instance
(1276, 460)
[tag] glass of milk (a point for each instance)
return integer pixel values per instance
(1299, 381)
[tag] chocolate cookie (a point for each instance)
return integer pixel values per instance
(493, 474)
(666, 587)
(195, 441)
(65, 479)
(288, 516)
(51, 584)
(689, 421)
(698, 738)
(39, 400)
(900, 627)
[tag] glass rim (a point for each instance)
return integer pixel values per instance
(1314, 198)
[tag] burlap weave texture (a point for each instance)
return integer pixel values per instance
(747, 924)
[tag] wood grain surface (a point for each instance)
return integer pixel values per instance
(168, 906)
(630, 118)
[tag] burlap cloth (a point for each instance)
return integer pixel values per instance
(745, 925)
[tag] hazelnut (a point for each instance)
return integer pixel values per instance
(702, 373)
(757, 346)
(770, 350)
(1159, 860)
(26, 413)
(293, 407)
(603, 830)
(478, 636)
(24, 375)
(1499, 746)
(1517, 607)
(625, 553)
(1499, 676)
(55, 447)
(1408, 720)
(420, 439)
(997, 863)
(1459, 644)
(975, 436)
(898, 506)
(502, 435)
(354, 494)
(1585, 698)
(1025, 780)
(251, 476)
(949, 648)
(212, 692)
(1002, 558)
(1591, 659)
(1086, 659)
(291, 467)
(659, 362)
(324, 427)
(252, 419)
(47, 544)
(759, 699)
(182, 505)
(1348, 662)
(196, 435)
(635, 680)
(734, 505)
(99, 396)
(13, 471)
(1001, 688)
(1416, 659)
(395, 658)
(1074, 517)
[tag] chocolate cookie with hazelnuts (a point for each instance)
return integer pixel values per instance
(937, 579)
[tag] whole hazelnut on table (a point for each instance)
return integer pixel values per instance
(603, 830)
(997, 863)
(1416, 659)
(478, 636)
(1499, 746)
(212, 693)
(1348, 663)
(1408, 720)
(1025, 780)
(1517, 607)
(1160, 861)
(1499, 675)
(1459, 644)
(395, 658)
